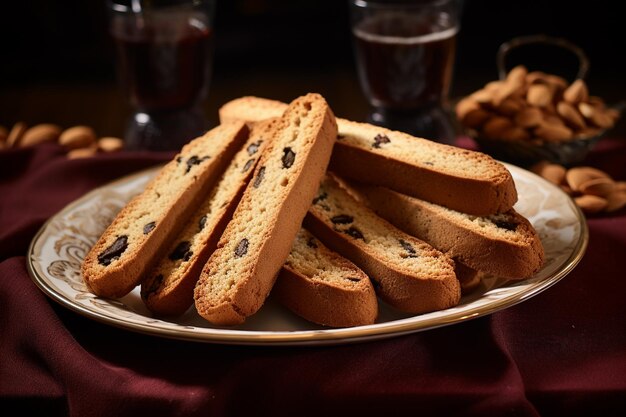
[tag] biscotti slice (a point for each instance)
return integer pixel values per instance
(407, 273)
(138, 234)
(324, 287)
(505, 245)
(463, 180)
(168, 289)
(241, 272)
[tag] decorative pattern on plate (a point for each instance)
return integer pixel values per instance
(58, 249)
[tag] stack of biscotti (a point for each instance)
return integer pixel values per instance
(324, 213)
(459, 201)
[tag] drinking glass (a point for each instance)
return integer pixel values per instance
(405, 54)
(164, 53)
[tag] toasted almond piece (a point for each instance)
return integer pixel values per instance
(495, 127)
(579, 175)
(576, 92)
(570, 115)
(528, 117)
(515, 133)
(511, 106)
(110, 144)
(553, 132)
(591, 203)
(476, 118)
(601, 119)
(16, 133)
(507, 89)
(601, 187)
(517, 75)
(44, 132)
(83, 152)
(615, 201)
(77, 137)
(464, 106)
(482, 96)
(539, 95)
(554, 173)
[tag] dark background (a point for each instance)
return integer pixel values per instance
(57, 57)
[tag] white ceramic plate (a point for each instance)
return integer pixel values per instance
(56, 253)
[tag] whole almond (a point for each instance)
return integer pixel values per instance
(85, 152)
(110, 144)
(515, 133)
(558, 82)
(579, 175)
(16, 133)
(539, 95)
(77, 137)
(517, 75)
(510, 106)
(602, 120)
(476, 118)
(536, 77)
(576, 92)
(615, 201)
(507, 89)
(553, 133)
(45, 132)
(554, 173)
(570, 115)
(464, 106)
(482, 96)
(528, 117)
(492, 86)
(620, 186)
(551, 120)
(587, 110)
(495, 126)
(591, 204)
(601, 187)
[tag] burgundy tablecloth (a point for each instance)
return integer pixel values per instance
(562, 352)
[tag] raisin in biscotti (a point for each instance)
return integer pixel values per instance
(463, 180)
(241, 272)
(407, 273)
(168, 289)
(138, 234)
(324, 287)
(505, 245)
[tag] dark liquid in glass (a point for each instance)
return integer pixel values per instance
(164, 68)
(405, 63)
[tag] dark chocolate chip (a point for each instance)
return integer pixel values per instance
(181, 251)
(311, 243)
(320, 198)
(148, 227)
(195, 160)
(379, 140)
(353, 279)
(248, 164)
(503, 224)
(114, 251)
(254, 147)
(259, 177)
(179, 159)
(342, 219)
(242, 248)
(409, 248)
(354, 232)
(156, 284)
(202, 222)
(289, 157)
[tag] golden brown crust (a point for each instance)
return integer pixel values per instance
(324, 287)
(143, 227)
(360, 156)
(407, 273)
(168, 288)
(477, 242)
(241, 272)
